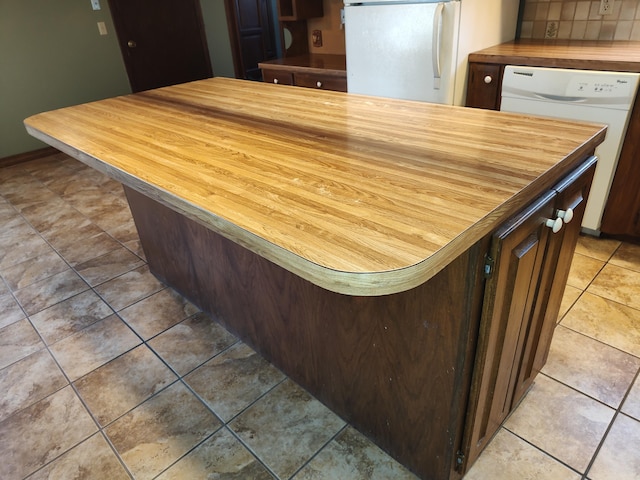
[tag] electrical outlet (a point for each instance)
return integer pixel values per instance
(606, 7)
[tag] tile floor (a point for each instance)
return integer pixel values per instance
(98, 384)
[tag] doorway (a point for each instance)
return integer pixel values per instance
(252, 28)
(162, 41)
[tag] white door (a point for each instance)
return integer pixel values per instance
(405, 51)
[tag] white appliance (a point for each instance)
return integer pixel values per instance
(586, 95)
(417, 50)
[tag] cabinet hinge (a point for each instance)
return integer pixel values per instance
(489, 264)
(459, 461)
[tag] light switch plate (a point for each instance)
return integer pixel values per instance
(102, 28)
(95, 4)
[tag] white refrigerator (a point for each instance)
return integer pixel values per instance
(417, 50)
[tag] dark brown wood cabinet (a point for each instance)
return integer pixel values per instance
(527, 269)
(321, 71)
(485, 81)
(291, 10)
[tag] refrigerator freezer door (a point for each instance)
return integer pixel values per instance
(396, 50)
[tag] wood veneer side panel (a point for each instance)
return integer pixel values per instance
(392, 366)
(621, 218)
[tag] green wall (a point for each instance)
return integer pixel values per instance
(52, 56)
(215, 25)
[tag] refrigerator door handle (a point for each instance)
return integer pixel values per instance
(437, 40)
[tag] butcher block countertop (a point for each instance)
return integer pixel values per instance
(359, 195)
(615, 56)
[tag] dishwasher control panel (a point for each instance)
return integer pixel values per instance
(567, 85)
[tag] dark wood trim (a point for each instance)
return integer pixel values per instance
(234, 37)
(27, 156)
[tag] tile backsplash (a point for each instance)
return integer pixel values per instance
(580, 20)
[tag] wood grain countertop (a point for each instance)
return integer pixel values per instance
(310, 63)
(359, 195)
(615, 56)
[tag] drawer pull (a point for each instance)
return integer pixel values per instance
(566, 215)
(554, 225)
(488, 79)
(319, 84)
(275, 80)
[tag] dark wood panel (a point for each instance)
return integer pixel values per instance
(483, 94)
(396, 367)
(621, 217)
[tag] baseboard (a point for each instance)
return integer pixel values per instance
(27, 156)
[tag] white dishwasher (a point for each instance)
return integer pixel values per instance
(585, 95)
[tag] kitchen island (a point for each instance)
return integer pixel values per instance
(355, 242)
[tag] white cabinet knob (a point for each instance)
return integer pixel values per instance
(566, 215)
(319, 84)
(554, 225)
(275, 80)
(488, 79)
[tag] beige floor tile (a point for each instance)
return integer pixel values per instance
(18, 340)
(618, 458)
(106, 267)
(92, 459)
(631, 405)
(205, 338)
(607, 321)
(67, 231)
(10, 310)
(157, 312)
(508, 457)
(70, 316)
(233, 380)
(570, 296)
(351, 455)
(124, 383)
(40, 433)
(598, 248)
(33, 270)
(92, 347)
(598, 370)
(157, 433)
(583, 271)
(129, 288)
(220, 457)
(15, 250)
(28, 381)
(618, 284)
(86, 248)
(561, 422)
(627, 256)
(45, 293)
(286, 427)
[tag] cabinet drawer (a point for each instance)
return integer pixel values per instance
(323, 82)
(277, 76)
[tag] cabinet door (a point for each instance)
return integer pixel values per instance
(517, 253)
(572, 197)
(484, 85)
(530, 265)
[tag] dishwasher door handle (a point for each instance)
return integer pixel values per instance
(560, 98)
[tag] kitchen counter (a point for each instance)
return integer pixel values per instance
(369, 248)
(616, 56)
(310, 62)
(359, 195)
(621, 217)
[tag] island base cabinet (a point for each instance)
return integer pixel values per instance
(396, 367)
(527, 269)
(428, 374)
